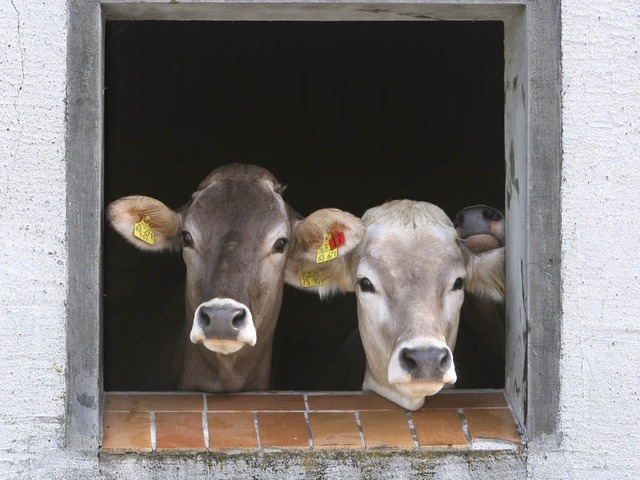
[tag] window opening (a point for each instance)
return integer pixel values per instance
(348, 114)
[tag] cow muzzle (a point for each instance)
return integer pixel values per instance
(223, 325)
(421, 369)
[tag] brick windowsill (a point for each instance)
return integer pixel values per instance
(195, 422)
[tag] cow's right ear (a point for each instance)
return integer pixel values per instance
(486, 275)
(145, 222)
(321, 250)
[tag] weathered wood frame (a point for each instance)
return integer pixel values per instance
(533, 167)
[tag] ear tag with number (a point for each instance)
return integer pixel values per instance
(143, 231)
(325, 253)
(311, 279)
(337, 239)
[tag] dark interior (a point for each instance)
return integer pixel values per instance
(347, 114)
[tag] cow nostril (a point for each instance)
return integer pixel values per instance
(491, 214)
(203, 319)
(458, 220)
(407, 362)
(444, 360)
(238, 320)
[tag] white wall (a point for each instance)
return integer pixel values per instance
(600, 392)
(600, 366)
(32, 234)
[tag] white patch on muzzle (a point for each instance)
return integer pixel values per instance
(223, 346)
(247, 334)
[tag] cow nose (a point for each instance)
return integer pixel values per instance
(221, 321)
(426, 364)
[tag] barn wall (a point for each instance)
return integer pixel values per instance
(600, 294)
(33, 262)
(600, 397)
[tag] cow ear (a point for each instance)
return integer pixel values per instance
(321, 251)
(311, 232)
(486, 274)
(145, 222)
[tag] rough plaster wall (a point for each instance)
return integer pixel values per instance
(600, 392)
(600, 395)
(32, 234)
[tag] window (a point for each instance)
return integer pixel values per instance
(531, 146)
(347, 114)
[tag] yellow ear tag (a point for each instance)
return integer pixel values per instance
(311, 279)
(143, 231)
(324, 252)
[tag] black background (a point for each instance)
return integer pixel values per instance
(347, 114)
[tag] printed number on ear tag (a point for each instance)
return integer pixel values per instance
(337, 239)
(143, 231)
(325, 253)
(311, 279)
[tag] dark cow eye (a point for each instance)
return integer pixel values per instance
(365, 285)
(458, 284)
(187, 240)
(280, 245)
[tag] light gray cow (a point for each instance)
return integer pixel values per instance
(239, 240)
(410, 273)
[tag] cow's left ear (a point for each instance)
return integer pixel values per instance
(486, 273)
(320, 250)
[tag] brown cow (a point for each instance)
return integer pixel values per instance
(239, 240)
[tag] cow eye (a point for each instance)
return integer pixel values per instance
(458, 284)
(187, 240)
(280, 245)
(365, 285)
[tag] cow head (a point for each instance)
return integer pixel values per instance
(409, 273)
(235, 235)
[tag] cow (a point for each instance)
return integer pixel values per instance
(240, 241)
(409, 273)
(480, 346)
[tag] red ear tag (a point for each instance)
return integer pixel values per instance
(337, 239)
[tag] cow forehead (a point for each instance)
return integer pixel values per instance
(427, 252)
(251, 207)
(402, 246)
(407, 213)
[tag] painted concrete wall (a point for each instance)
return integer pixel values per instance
(600, 393)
